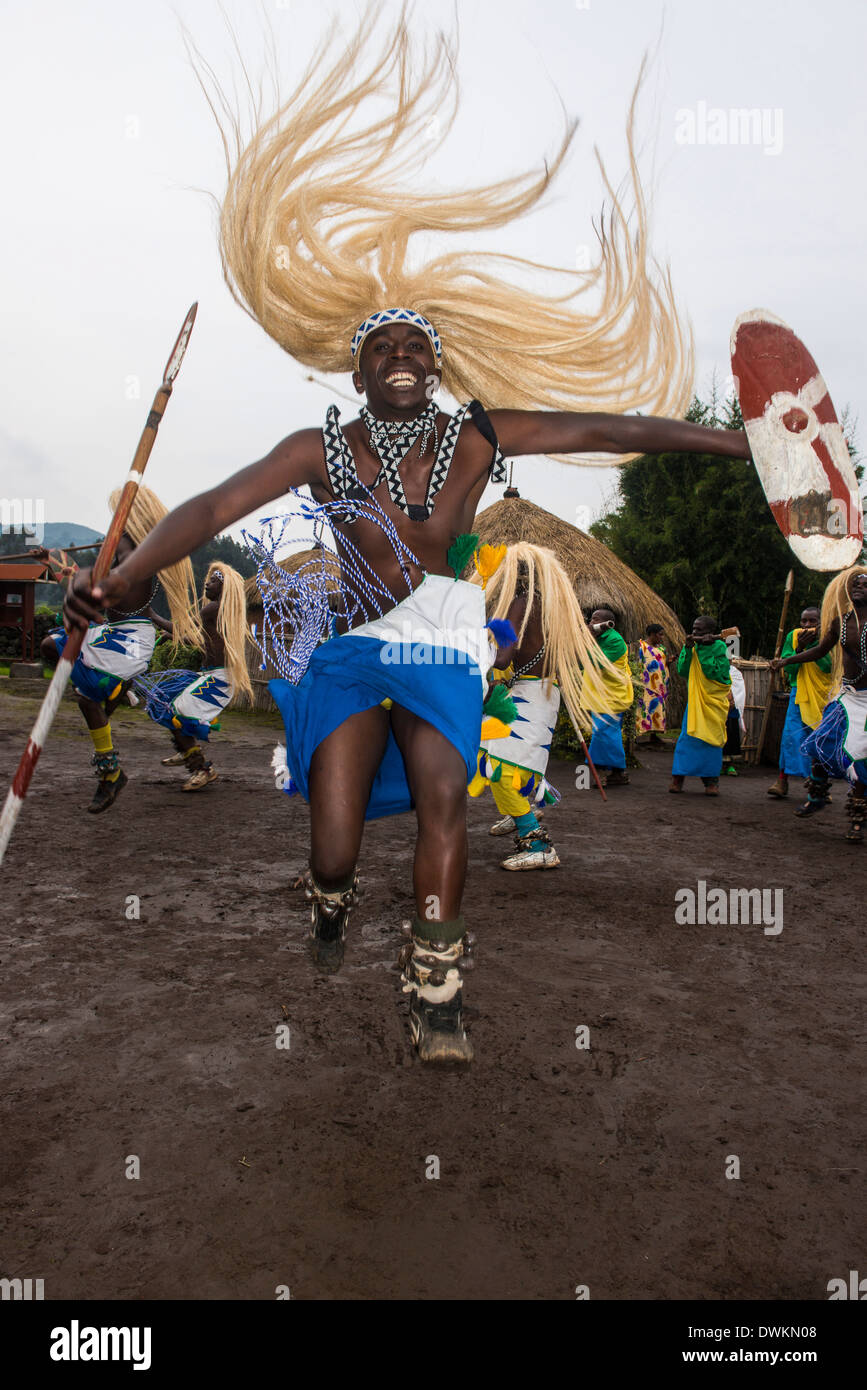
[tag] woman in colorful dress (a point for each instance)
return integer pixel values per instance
(654, 685)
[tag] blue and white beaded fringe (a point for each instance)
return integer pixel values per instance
(302, 608)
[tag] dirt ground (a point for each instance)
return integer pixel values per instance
(305, 1167)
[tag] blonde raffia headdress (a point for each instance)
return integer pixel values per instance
(320, 210)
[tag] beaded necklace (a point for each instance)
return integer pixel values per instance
(340, 464)
(862, 632)
(391, 441)
(522, 670)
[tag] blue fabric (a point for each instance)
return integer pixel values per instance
(825, 744)
(606, 745)
(695, 758)
(93, 684)
(525, 823)
(161, 690)
(347, 675)
(793, 762)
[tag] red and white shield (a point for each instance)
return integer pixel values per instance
(796, 442)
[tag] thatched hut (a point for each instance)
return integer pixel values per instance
(255, 658)
(599, 578)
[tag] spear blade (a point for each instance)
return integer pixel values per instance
(176, 356)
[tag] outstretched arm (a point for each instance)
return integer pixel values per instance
(298, 460)
(566, 432)
(827, 644)
(162, 623)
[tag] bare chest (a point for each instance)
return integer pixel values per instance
(425, 501)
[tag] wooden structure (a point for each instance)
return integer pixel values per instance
(18, 601)
(757, 677)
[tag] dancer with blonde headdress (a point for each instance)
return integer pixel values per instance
(837, 747)
(553, 655)
(119, 648)
(314, 234)
(189, 703)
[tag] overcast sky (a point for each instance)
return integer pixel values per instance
(106, 239)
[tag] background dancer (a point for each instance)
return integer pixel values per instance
(188, 703)
(653, 663)
(314, 232)
(553, 655)
(118, 649)
(704, 664)
(809, 691)
(606, 746)
(838, 746)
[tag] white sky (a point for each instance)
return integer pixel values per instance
(104, 240)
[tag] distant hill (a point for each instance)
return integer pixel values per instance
(67, 533)
(55, 533)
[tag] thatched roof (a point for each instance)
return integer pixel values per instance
(599, 578)
(290, 565)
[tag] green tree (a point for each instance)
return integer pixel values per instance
(699, 531)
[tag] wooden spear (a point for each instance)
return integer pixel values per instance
(781, 632)
(54, 694)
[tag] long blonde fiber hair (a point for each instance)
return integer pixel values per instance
(232, 627)
(586, 677)
(318, 215)
(177, 580)
(836, 603)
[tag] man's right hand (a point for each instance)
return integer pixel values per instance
(86, 603)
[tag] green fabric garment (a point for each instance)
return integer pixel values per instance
(714, 659)
(612, 644)
(790, 673)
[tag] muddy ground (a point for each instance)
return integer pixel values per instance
(306, 1167)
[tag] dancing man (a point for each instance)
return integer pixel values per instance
(809, 691)
(189, 703)
(314, 234)
(553, 655)
(704, 664)
(837, 747)
(118, 649)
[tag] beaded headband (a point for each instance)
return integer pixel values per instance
(385, 316)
